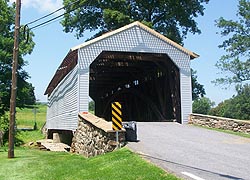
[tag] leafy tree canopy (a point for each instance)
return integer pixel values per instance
(238, 107)
(91, 106)
(198, 90)
(202, 105)
(171, 18)
(235, 64)
(25, 90)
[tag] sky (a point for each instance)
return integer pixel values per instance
(52, 45)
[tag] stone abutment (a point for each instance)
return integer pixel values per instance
(220, 123)
(94, 136)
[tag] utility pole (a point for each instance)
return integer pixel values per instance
(14, 82)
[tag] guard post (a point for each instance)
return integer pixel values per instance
(116, 119)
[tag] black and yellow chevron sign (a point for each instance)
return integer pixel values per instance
(116, 116)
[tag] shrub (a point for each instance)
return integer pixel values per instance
(202, 105)
(237, 107)
(4, 126)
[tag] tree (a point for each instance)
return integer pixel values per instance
(198, 90)
(92, 106)
(237, 107)
(25, 90)
(235, 65)
(202, 105)
(171, 18)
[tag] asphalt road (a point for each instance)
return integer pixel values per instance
(193, 153)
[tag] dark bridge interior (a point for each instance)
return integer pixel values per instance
(146, 84)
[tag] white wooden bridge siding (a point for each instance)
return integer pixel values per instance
(63, 103)
(135, 39)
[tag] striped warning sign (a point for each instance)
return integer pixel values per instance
(116, 116)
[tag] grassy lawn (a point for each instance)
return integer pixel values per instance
(35, 164)
(31, 164)
(25, 118)
(24, 137)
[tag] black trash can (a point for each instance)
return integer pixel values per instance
(131, 131)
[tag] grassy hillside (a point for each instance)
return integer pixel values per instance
(30, 163)
(26, 117)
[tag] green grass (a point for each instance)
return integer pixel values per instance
(25, 118)
(31, 164)
(34, 164)
(226, 131)
(24, 137)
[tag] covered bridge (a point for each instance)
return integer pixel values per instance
(145, 71)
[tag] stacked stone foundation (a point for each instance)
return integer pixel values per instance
(220, 123)
(94, 136)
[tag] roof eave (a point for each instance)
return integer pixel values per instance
(194, 55)
(69, 62)
(139, 24)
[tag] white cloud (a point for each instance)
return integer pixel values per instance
(43, 6)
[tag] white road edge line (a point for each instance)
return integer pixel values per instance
(192, 176)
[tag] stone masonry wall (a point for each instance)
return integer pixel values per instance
(94, 136)
(220, 123)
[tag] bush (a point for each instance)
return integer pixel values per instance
(202, 105)
(4, 126)
(219, 110)
(237, 107)
(4, 122)
(91, 106)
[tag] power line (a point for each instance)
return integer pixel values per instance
(45, 16)
(52, 19)
(43, 23)
(55, 20)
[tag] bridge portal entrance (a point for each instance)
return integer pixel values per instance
(147, 85)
